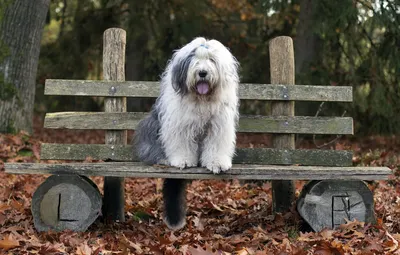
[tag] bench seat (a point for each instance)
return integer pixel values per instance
(238, 171)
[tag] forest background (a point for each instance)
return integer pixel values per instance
(337, 43)
(348, 43)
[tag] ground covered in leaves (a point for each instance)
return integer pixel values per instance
(224, 217)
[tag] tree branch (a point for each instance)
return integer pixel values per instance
(330, 142)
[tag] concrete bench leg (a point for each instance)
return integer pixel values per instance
(66, 202)
(328, 203)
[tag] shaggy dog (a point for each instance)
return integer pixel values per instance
(193, 121)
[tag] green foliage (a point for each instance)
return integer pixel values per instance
(141, 216)
(359, 47)
(25, 153)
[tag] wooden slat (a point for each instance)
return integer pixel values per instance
(246, 90)
(93, 120)
(267, 156)
(254, 124)
(274, 156)
(254, 172)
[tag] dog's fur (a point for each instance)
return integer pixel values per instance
(193, 121)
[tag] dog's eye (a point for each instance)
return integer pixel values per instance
(213, 61)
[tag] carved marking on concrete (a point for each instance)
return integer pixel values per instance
(341, 209)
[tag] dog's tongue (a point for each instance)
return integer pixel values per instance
(202, 88)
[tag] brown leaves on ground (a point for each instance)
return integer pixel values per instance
(224, 217)
(8, 243)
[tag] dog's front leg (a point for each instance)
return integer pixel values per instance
(180, 150)
(219, 144)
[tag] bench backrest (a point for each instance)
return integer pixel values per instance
(116, 120)
(252, 124)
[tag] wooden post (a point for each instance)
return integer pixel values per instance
(282, 72)
(114, 70)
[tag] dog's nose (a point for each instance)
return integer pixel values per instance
(202, 74)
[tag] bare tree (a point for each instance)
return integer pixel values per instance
(21, 26)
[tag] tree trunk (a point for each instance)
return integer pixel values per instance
(137, 51)
(21, 26)
(306, 43)
(307, 47)
(135, 55)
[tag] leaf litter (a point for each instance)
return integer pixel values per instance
(224, 217)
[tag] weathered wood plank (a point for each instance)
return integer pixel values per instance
(274, 156)
(269, 156)
(114, 42)
(249, 172)
(93, 120)
(296, 125)
(281, 56)
(54, 151)
(253, 124)
(246, 90)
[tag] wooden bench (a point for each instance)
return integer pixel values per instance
(69, 200)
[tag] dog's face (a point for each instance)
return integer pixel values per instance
(202, 66)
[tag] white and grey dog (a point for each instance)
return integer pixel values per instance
(193, 121)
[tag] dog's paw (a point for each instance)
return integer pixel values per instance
(183, 163)
(219, 165)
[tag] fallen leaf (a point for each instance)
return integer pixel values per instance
(198, 223)
(17, 205)
(4, 207)
(217, 207)
(84, 249)
(8, 243)
(199, 251)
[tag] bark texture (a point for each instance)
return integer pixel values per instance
(21, 26)
(307, 42)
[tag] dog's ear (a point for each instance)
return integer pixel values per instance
(179, 73)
